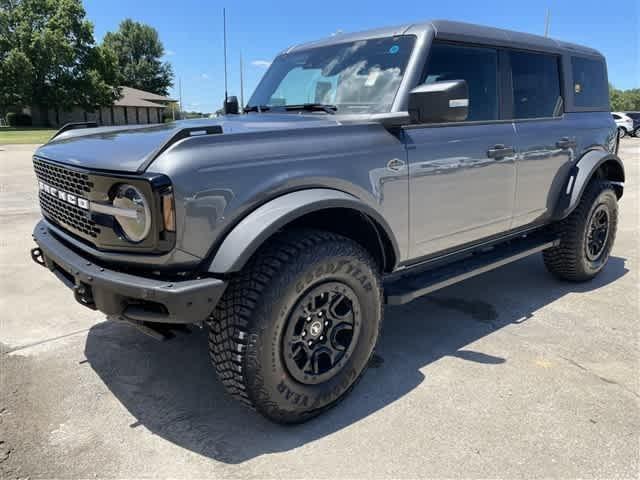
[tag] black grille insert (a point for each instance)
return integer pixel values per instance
(68, 215)
(63, 178)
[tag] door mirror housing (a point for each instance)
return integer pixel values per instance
(439, 102)
(231, 105)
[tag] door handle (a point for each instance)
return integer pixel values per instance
(565, 143)
(500, 151)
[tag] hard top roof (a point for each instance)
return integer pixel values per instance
(458, 31)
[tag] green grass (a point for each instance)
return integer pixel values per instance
(15, 135)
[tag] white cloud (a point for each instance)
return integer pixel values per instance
(169, 53)
(261, 63)
(204, 76)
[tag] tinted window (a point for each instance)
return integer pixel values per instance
(617, 117)
(536, 85)
(590, 87)
(478, 66)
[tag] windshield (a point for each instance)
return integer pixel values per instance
(355, 77)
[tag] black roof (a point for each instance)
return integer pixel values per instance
(460, 31)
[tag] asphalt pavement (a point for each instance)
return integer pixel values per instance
(512, 374)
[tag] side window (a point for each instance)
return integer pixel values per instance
(536, 85)
(590, 87)
(616, 117)
(478, 66)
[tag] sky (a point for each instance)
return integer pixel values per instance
(192, 34)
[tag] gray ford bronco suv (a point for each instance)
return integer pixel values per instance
(366, 169)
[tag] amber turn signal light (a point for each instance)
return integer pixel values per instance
(168, 212)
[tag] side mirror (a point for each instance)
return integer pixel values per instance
(439, 102)
(231, 105)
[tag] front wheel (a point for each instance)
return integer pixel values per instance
(622, 132)
(296, 329)
(586, 235)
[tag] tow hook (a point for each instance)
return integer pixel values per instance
(84, 295)
(38, 257)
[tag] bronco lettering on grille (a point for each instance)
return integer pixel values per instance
(64, 196)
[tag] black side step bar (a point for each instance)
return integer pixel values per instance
(413, 285)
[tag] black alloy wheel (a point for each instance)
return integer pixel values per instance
(322, 332)
(597, 232)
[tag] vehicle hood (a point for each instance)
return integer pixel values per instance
(131, 148)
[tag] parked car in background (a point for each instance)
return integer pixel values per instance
(624, 123)
(635, 116)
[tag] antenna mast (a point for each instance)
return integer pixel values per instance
(181, 106)
(224, 28)
(546, 27)
(241, 84)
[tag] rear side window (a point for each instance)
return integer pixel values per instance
(478, 66)
(590, 87)
(536, 85)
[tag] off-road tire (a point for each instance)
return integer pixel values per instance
(569, 260)
(247, 325)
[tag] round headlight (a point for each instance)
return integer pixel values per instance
(135, 220)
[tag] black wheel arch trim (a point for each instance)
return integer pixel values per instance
(579, 177)
(258, 226)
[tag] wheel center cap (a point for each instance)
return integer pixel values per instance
(316, 328)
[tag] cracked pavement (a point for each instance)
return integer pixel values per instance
(511, 374)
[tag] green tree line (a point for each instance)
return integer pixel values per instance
(624, 100)
(49, 58)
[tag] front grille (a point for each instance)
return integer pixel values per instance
(69, 195)
(71, 217)
(68, 215)
(63, 178)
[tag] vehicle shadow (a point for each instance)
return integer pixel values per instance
(171, 388)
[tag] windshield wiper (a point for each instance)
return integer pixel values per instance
(257, 108)
(313, 107)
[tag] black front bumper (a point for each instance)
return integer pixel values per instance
(123, 295)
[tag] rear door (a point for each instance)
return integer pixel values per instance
(546, 137)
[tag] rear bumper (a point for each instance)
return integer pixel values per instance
(123, 295)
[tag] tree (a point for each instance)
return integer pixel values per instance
(49, 59)
(139, 50)
(624, 100)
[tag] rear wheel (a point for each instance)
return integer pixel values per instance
(295, 330)
(586, 236)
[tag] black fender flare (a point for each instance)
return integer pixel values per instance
(581, 174)
(254, 229)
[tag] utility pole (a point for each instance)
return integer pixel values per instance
(546, 27)
(224, 29)
(241, 84)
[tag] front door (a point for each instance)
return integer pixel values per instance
(461, 175)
